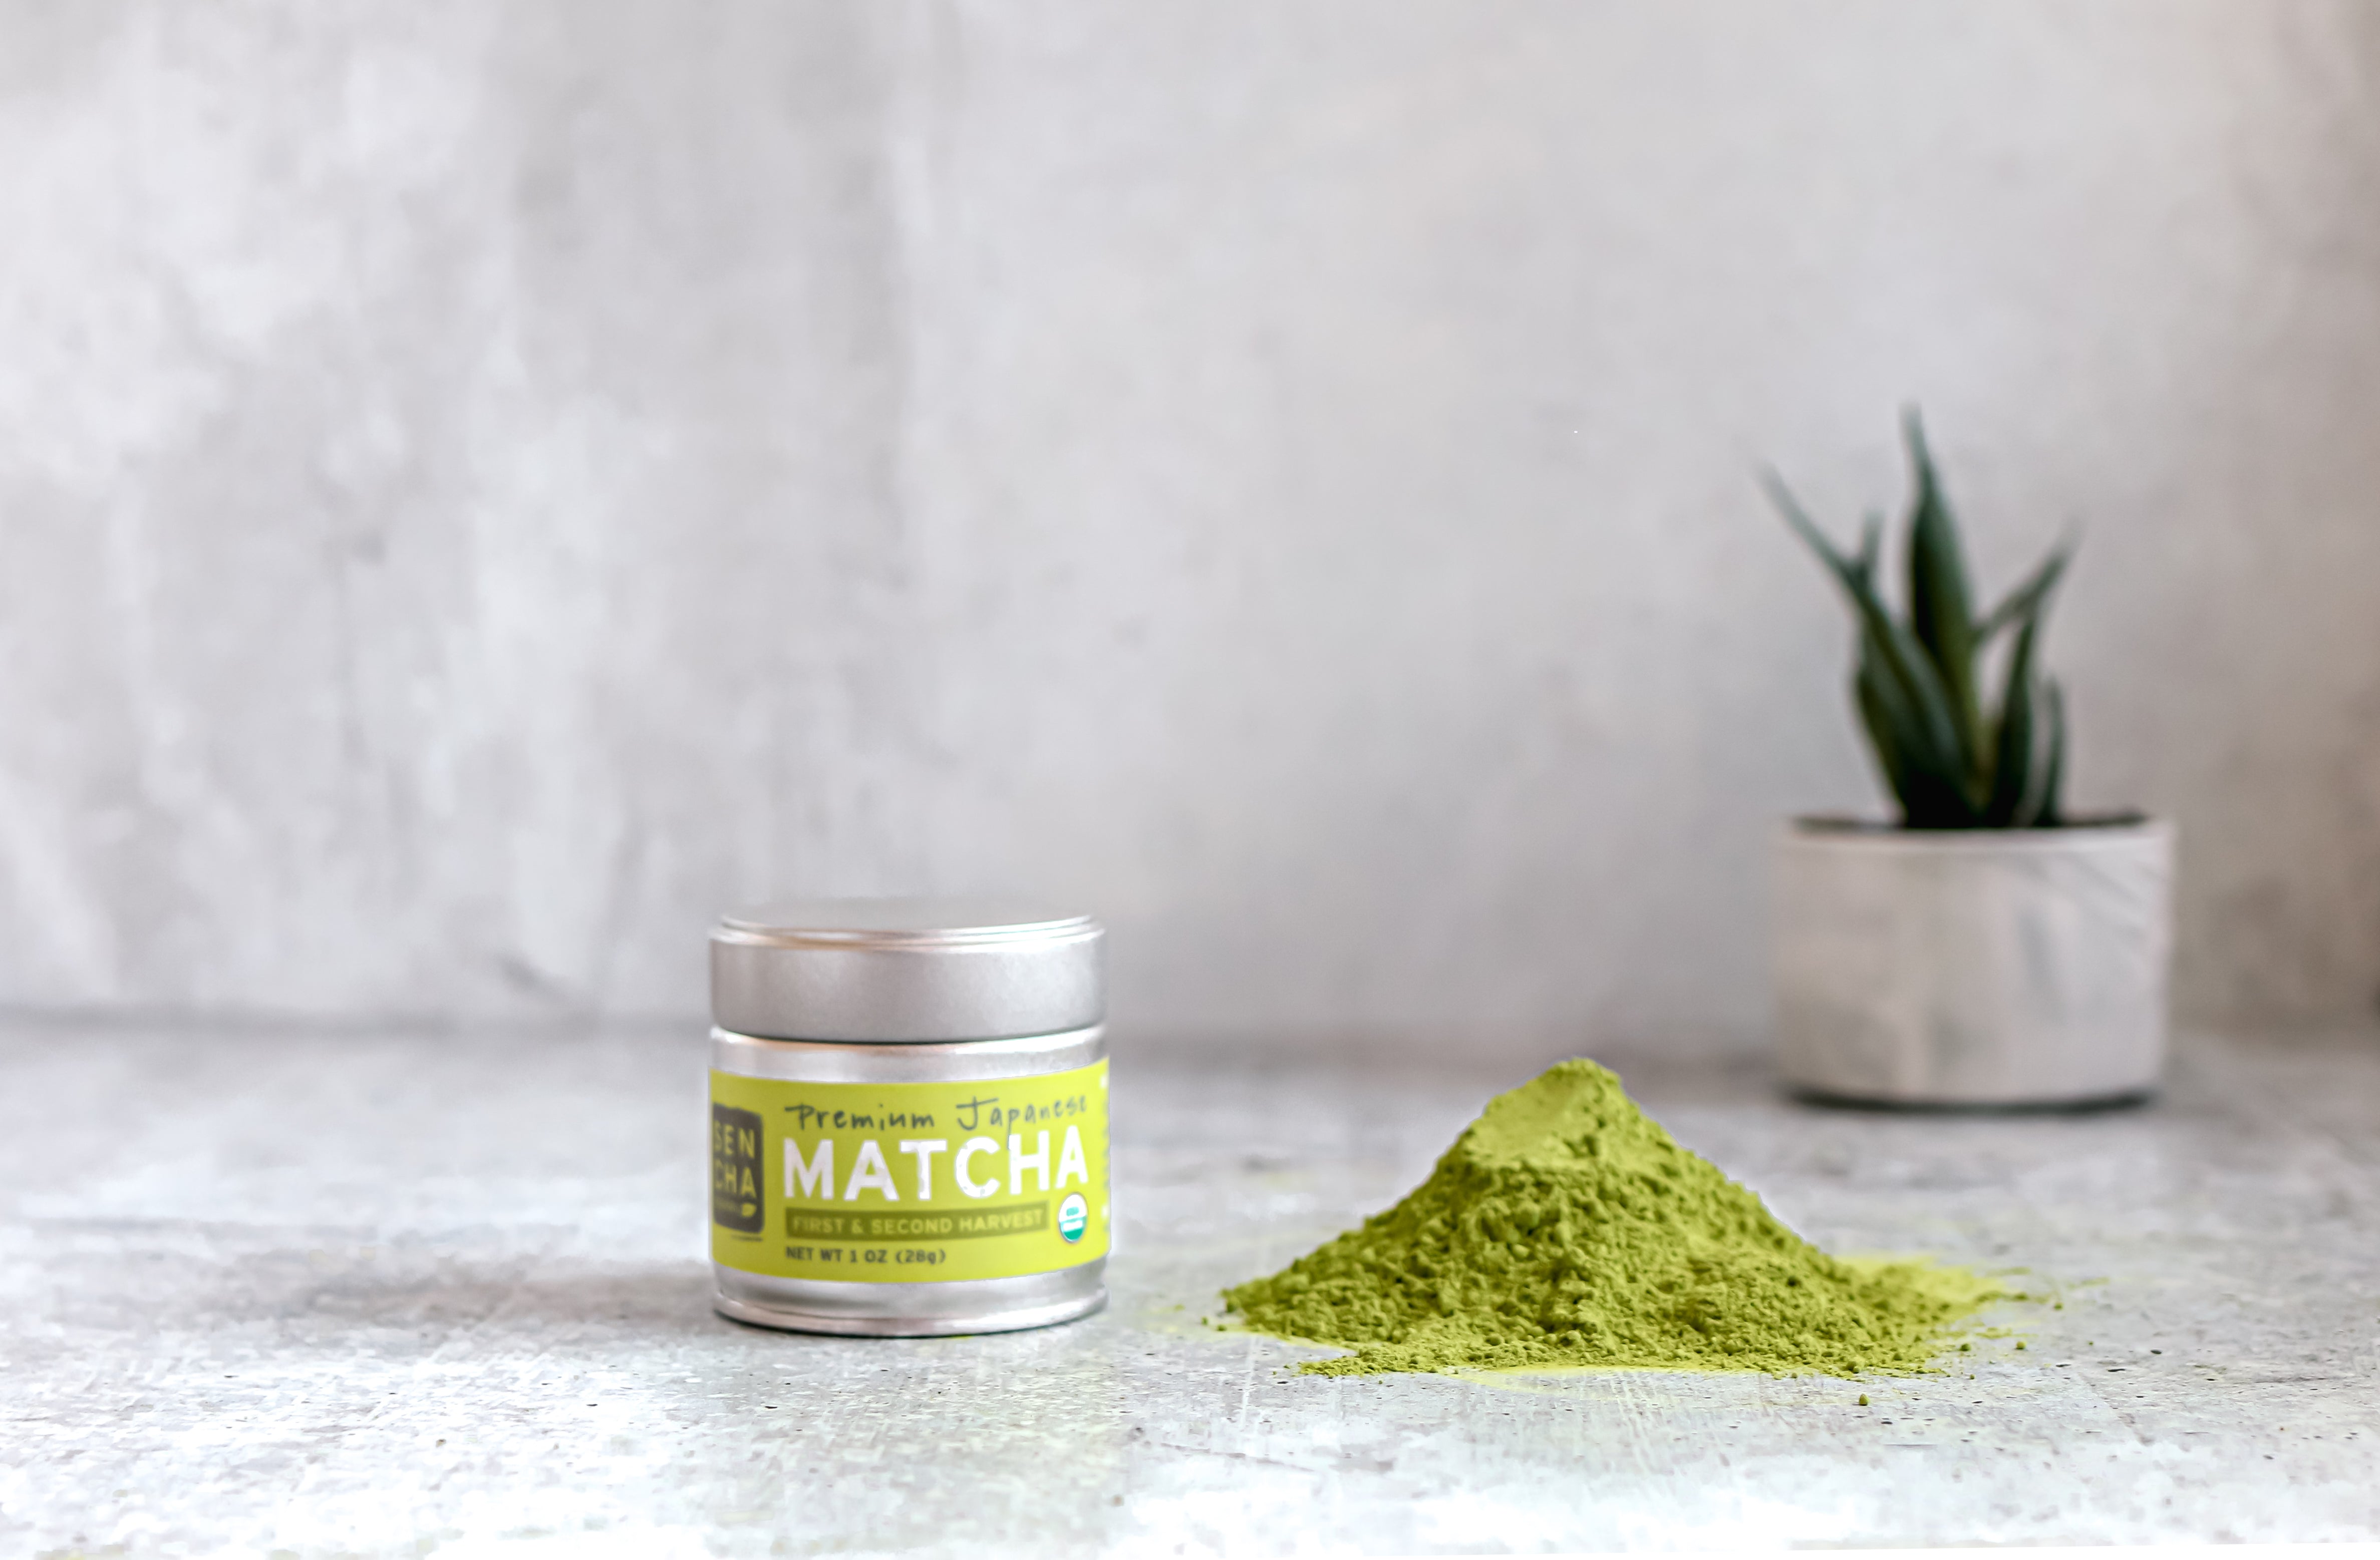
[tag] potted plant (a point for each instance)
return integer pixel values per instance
(1988, 948)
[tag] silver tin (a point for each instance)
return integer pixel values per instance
(907, 991)
(896, 972)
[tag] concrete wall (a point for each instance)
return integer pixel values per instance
(485, 485)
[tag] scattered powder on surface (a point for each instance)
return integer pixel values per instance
(1564, 1228)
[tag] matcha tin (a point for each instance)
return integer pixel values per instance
(908, 1117)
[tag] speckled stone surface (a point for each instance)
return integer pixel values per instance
(335, 1294)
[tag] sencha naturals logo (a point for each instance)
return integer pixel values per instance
(1074, 1214)
(736, 1169)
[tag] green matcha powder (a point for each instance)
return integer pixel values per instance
(1564, 1228)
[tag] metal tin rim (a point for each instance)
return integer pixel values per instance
(957, 1061)
(929, 924)
(1014, 1321)
(911, 1310)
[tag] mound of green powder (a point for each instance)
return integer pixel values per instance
(1564, 1228)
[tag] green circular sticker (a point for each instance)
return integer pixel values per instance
(1073, 1214)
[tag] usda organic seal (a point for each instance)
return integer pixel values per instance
(1073, 1214)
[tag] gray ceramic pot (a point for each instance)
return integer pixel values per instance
(1986, 967)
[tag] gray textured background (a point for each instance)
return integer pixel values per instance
(485, 484)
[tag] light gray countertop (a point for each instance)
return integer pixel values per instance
(404, 1295)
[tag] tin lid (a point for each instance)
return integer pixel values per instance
(894, 971)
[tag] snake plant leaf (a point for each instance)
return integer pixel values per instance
(1931, 784)
(2026, 598)
(1879, 722)
(1807, 528)
(1870, 551)
(2043, 810)
(1940, 611)
(1929, 797)
(2012, 772)
(1922, 721)
(1930, 733)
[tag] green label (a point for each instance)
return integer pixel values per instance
(905, 1183)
